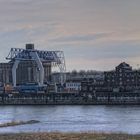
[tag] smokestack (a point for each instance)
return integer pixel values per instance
(29, 46)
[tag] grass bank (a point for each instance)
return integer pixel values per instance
(68, 136)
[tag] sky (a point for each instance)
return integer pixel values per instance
(94, 34)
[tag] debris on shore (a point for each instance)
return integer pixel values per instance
(14, 123)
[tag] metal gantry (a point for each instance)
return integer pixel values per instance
(56, 58)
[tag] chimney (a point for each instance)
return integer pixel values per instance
(29, 46)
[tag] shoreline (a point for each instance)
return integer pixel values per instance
(100, 98)
(69, 136)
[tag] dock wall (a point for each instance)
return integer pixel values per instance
(71, 99)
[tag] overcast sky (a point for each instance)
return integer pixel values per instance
(94, 34)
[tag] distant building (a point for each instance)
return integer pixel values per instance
(74, 79)
(77, 76)
(5, 73)
(26, 72)
(81, 75)
(122, 77)
(91, 85)
(73, 86)
(55, 77)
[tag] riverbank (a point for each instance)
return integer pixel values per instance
(68, 136)
(100, 98)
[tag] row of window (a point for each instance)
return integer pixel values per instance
(120, 74)
(73, 84)
(131, 80)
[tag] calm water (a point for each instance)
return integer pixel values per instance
(73, 118)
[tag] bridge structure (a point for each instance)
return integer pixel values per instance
(56, 58)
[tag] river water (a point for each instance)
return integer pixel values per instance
(72, 118)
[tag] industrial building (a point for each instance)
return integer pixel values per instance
(6, 73)
(30, 66)
(123, 77)
(26, 72)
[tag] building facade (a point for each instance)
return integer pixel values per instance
(27, 72)
(122, 77)
(5, 73)
(73, 86)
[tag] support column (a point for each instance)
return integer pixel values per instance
(14, 68)
(29, 74)
(40, 67)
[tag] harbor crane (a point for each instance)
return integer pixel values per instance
(56, 58)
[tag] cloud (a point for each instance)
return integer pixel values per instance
(99, 32)
(79, 38)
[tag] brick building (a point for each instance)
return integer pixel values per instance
(122, 77)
